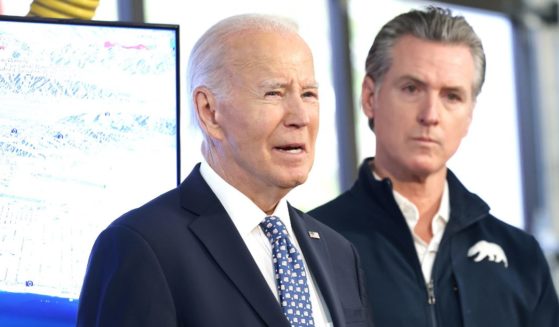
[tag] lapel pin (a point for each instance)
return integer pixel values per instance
(313, 234)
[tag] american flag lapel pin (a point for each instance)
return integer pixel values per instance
(314, 234)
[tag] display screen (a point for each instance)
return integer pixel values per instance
(89, 129)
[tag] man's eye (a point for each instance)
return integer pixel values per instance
(454, 97)
(310, 94)
(273, 94)
(410, 88)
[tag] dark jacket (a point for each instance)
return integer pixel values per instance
(464, 292)
(180, 261)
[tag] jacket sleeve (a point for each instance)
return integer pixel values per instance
(124, 284)
(546, 311)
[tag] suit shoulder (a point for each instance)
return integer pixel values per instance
(325, 231)
(151, 214)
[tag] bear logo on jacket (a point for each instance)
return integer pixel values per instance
(491, 251)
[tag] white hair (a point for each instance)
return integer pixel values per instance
(208, 58)
(209, 54)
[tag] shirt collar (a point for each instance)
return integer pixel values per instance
(409, 210)
(244, 213)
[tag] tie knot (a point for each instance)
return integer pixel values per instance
(273, 228)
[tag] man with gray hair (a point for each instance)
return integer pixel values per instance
(225, 248)
(433, 255)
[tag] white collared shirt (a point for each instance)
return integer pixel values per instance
(425, 251)
(246, 217)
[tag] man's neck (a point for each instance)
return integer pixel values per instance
(266, 198)
(424, 192)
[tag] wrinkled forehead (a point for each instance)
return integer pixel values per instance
(270, 53)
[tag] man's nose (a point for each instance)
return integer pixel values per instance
(429, 113)
(297, 112)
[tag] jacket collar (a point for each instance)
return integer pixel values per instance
(218, 234)
(466, 208)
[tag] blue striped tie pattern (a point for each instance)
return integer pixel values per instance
(290, 274)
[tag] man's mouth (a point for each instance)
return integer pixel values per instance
(291, 148)
(425, 139)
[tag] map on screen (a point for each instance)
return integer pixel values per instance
(88, 130)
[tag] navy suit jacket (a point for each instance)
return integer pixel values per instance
(179, 261)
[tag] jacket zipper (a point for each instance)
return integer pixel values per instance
(431, 301)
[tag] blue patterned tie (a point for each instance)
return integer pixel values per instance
(291, 278)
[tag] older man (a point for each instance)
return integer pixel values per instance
(225, 248)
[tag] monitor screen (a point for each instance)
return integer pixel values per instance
(89, 129)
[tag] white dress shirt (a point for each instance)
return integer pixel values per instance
(425, 251)
(246, 217)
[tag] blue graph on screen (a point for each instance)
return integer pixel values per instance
(88, 130)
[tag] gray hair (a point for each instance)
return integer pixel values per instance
(209, 55)
(433, 24)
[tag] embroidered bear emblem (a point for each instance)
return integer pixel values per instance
(491, 251)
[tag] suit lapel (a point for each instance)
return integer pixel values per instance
(217, 232)
(319, 261)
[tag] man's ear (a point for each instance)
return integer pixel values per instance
(368, 97)
(205, 106)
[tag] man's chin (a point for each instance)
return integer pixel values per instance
(294, 181)
(426, 168)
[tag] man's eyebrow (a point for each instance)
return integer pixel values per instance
(457, 89)
(310, 85)
(273, 84)
(416, 80)
(411, 78)
(282, 84)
